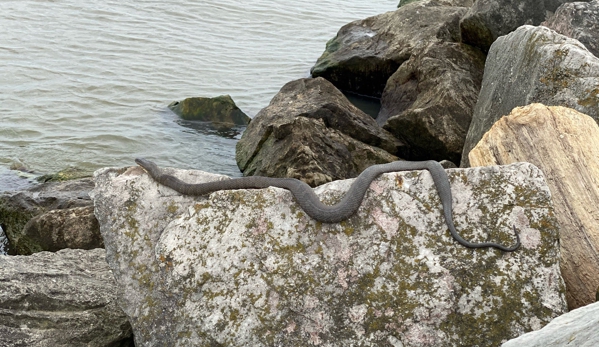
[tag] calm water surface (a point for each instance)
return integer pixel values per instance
(86, 83)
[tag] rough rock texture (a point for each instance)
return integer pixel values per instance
(462, 3)
(221, 109)
(61, 299)
(310, 131)
(569, 157)
(365, 53)
(249, 268)
(534, 64)
(576, 328)
(428, 102)
(18, 208)
(487, 20)
(578, 20)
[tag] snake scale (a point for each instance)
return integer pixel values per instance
(312, 205)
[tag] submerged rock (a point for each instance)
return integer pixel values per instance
(221, 109)
(534, 64)
(578, 20)
(18, 208)
(67, 298)
(365, 53)
(569, 158)
(310, 131)
(249, 268)
(428, 102)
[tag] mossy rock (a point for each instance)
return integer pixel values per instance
(67, 174)
(221, 109)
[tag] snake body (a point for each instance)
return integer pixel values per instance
(312, 205)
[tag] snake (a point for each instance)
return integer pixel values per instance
(311, 204)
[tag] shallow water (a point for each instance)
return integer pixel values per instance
(86, 84)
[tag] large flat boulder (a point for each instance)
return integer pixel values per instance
(564, 144)
(487, 20)
(310, 131)
(250, 268)
(578, 20)
(61, 299)
(534, 64)
(428, 102)
(365, 53)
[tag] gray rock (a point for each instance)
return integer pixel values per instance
(462, 3)
(61, 299)
(310, 131)
(578, 20)
(19, 207)
(249, 268)
(365, 53)
(575, 328)
(486, 20)
(220, 109)
(428, 103)
(534, 65)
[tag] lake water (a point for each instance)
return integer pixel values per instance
(86, 83)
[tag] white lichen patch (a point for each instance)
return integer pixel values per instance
(247, 267)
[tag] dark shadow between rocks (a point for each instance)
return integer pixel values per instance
(367, 104)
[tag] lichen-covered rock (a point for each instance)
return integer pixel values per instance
(569, 158)
(249, 268)
(578, 20)
(428, 102)
(575, 328)
(17, 208)
(310, 131)
(487, 20)
(61, 299)
(534, 64)
(365, 53)
(220, 109)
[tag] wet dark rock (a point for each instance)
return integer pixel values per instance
(67, 298)
(310, 131)
(221, 109)
(486, 20)
(534, 65)
(428, 103)
(365, 53)
(578, 20)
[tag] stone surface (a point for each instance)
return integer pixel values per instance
(576, 328)
(220, 109)
(534, 64)
(578, 20)
(61, 299)
(249, 268)
(462, 3)
(428, 102)
(487, 20)
(17, 208)
(365, 53)
(569, 157)
(310, 131)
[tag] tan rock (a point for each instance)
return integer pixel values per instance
(564, 144)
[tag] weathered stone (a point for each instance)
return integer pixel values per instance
(487, 20)
(365, 53)
(576, 328)
(249, 268)
(578, 20)
(462, 3)
(569, 157)
(18, 208)
(67, 298)
(428, 102)
(534, 64)
(310, 131)
(221, 109)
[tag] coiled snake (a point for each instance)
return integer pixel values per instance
(310, 202)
